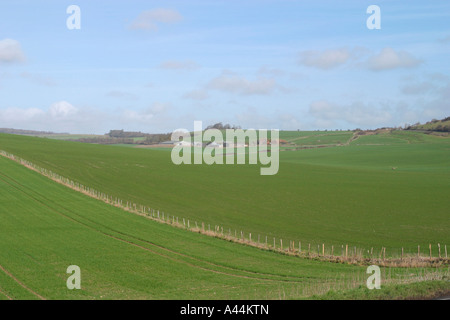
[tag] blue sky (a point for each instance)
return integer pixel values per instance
(156, 66)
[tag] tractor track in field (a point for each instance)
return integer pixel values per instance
(252, 275)
(9, 274)
(4, 293)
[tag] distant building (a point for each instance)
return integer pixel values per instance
(183, 143)
(214, 145)
(168, 142)
(227, 144)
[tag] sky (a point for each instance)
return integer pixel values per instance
(156, 66)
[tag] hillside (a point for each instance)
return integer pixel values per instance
(391, 192)
(433, 125)
(46, 227)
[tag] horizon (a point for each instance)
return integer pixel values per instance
(156, 67)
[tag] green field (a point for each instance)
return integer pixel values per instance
(57, 136)
(46, 227)
(392, 195)
(323, 139)
(333, 195)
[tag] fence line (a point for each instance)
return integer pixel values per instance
(355, 256)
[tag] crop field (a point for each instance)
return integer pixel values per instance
(47, 227)
(375, 195)
(68, 136)
(323, 139)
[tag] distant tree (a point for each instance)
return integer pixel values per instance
(115, 133)
(221, 126)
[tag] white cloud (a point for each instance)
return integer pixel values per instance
(60, 116)
(326, 59)
(152, 115)
(158, 107)
(10, 51)
(58, 111)
(439, 107)
(14, 115)
(149, 19)
(388, 59)
(324, 110)
(234, 83)
(62, 110)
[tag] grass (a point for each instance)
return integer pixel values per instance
(334, 196)
(46, 227)
(323, 139)
(416, 291)
(70, 136)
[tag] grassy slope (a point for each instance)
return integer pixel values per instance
(332, 195)
(324, 139)
(47, 227)
(415, 291)
(432, 126)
